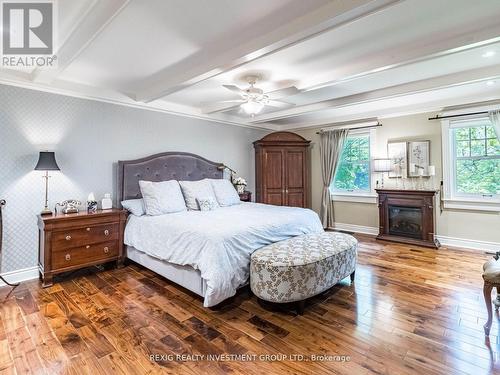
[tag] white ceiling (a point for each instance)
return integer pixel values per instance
(350, 59)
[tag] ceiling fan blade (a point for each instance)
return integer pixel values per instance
(221, 106)
(234, 88)
(279, 104)
(281, 93)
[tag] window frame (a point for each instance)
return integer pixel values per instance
(360, 196)
(451, 198)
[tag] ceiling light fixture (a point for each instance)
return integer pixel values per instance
(490, 83)
(489, 54)
(252, 107)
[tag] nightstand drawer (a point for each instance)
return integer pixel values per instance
(82, 255)
(84, 236)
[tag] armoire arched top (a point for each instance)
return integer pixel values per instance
(282, 138)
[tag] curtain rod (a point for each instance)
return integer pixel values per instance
(359, 127)
(437, 117)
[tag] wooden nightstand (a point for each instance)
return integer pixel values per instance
(246, 196)
(71, 241)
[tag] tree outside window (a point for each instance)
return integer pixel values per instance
(476, 160)
(353, 171)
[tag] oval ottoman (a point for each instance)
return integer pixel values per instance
(302, 267)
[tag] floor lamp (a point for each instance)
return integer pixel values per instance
(2, 203)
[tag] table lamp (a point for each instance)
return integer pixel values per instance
(47, 162)
(382, 166)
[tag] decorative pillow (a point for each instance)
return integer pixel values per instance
(225, 192)
(134, 206)
(194, 190)
(207, 204)
(162, 197)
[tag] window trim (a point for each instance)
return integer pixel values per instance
(359, 196)
(452, 200)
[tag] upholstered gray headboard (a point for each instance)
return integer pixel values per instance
(180, 166)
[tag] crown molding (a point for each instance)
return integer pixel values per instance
(123, 100)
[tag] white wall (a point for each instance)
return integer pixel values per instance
(89, 137)
(473, 225)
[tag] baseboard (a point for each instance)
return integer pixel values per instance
(20, 275)
(469, 244)
(444, 240)
(355, 228)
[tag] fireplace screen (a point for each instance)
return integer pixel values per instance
(405, 221)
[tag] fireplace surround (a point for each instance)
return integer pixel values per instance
(407, 216)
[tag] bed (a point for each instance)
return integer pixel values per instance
(205, 252)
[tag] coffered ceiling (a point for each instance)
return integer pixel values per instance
(350, 59)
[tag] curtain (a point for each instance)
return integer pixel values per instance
(495, 120)
(330, 148)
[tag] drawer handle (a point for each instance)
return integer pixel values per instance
(88, 229)
(106, 250)
(68, 257)
(106, 232)
(68, 238)
(87, 247)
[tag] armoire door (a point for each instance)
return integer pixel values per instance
(295, 179)
(274, 177)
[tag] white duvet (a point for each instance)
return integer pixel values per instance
(219, 242)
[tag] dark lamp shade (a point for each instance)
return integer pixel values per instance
(47, 162)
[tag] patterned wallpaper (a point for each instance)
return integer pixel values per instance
(88, 138)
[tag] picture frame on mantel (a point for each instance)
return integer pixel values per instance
(397, 152)
(419, 155)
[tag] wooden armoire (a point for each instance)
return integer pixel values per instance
(282, 169)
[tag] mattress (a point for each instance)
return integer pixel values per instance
(218, 243)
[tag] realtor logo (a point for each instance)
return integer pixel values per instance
(29, 29)
(28, 34)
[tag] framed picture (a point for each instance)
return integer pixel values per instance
(418, 158)
(397, 152)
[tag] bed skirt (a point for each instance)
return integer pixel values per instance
(185, 276)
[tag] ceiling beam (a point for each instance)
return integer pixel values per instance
(443, 49)
(436, 83)
(417, 55)
(328, 17)
(100, 14)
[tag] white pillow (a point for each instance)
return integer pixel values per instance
(207, 204)
(162, 197)
(194, 190)
(134, 206)
(225, 192)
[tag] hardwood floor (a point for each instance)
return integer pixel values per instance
(411, 310)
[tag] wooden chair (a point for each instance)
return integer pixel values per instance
(491, 277)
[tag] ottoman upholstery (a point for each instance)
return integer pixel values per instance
(302, 267)
(491, 277)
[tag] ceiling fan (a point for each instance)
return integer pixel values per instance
(253, 99)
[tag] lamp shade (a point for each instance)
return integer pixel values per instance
(382, 165)
(252, 107)
(47, 162)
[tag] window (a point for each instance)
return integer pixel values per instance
(471, 165)
(476, 154)
(353, 170)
